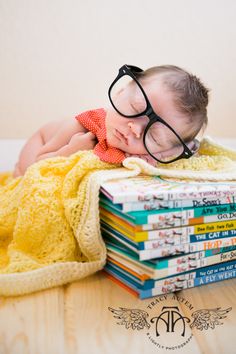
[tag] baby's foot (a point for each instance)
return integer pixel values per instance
(17, 172)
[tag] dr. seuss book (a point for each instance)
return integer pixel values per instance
(160, 219)
(164, 267)
(151, 188)
(146, 289)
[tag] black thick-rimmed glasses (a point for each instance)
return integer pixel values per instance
(158, 135)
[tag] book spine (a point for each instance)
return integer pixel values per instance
(149, 231)
(187, 238)
(188, 284)
(201, 194)
(215, 218)
(171, 286)
(184, 248)
(171, 204)
(176, 269)
(170, 195)
(225, 253)
(203, 262)
(176, 280)
(182, 231)
(172, 218)
(118, 247)
(190, 216)
(156, 249)
(209, 270)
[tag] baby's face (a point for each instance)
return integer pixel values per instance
(127, 133)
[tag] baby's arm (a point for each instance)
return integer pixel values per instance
(61, 137)
(79, 141)
(49, 138)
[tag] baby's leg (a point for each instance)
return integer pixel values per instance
(28, 153)
(17, 172)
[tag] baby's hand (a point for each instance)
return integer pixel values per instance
(79, 141)
(83, 141)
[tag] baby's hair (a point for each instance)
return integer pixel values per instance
(190, 94)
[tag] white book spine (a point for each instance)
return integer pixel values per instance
(171, 204)
(169, 195)
(186, 248)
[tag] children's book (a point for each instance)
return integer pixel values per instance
(164, 235)
(165, 262)
(168, 266)
(150, 188)
(172, 217)
(174, 279)
(189, 279)
(189, 234)
(156, 250)
(161, 233)
(172, 204)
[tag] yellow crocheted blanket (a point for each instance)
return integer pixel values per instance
(49, 218)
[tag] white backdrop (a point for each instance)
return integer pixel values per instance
(58, 57)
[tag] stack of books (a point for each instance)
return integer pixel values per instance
(166, 235)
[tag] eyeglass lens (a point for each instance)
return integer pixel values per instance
(129, 100)
(163, 143)
(127, 96)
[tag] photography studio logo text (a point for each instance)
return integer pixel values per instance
(164, 323)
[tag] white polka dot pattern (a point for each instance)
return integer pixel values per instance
(94, 121)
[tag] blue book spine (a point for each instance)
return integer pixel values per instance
(144, 216)
(167, 250)
(144, 294)
(176, 279)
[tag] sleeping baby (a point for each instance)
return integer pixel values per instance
(153, 114)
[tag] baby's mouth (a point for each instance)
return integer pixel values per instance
(121, 136)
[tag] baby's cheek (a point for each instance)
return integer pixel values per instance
(136, 147)
(111, 139)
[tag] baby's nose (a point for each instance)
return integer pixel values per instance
(137, 127)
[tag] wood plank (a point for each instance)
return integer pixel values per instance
(76, 319)
(32, 323)
(223, 295)
(92, 328)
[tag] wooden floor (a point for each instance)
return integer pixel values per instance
(76, 319)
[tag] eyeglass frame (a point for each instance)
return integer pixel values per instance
(149, 112)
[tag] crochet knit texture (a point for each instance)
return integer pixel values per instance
(49, 218)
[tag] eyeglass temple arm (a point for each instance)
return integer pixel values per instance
(134, 68)
(191, 150)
